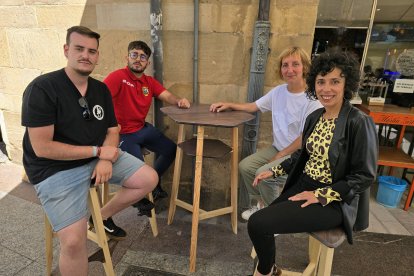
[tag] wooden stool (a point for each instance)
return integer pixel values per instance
(152, 219)
(99, 236)
(321, 249)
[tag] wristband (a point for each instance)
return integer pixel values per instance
(98, 153)
(94, 151)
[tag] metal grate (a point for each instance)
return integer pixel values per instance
(143, 271)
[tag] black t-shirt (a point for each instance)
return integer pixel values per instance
(52, 99)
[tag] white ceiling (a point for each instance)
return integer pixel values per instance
(356, 13)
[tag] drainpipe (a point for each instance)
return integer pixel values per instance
(195, 75)
(255, 88)
(156, 37)
(195, 57)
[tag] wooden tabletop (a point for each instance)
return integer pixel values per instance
(199, 114)
(386, 108)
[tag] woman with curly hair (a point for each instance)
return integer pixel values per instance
(329, 177)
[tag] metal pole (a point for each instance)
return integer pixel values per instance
(255, 88)
(156, 37)
(367, 39)
(256, 83)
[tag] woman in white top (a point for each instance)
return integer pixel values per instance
(290, 107)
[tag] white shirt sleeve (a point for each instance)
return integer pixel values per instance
(265, 102)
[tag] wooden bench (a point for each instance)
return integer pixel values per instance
(394, 157)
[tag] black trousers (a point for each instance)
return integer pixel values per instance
(284, 216)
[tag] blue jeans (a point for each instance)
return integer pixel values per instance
(64, 195)
(154, 140)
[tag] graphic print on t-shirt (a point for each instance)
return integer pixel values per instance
(98, 112)
(127, 83)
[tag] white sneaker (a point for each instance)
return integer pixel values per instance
(3, 157)
(246, 214)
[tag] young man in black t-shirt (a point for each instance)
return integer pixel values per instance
(70, 141)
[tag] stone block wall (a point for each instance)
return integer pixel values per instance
(32, 35)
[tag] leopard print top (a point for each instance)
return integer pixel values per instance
(317, 167)
(317, 146)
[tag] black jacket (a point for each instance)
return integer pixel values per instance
(353, 155)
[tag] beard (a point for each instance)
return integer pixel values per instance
(138, 71)
(84, 73)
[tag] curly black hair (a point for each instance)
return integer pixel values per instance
(326, 63)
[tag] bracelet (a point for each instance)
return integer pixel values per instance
(98, 152)
(94, 151)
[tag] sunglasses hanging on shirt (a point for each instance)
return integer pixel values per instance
(86, 113)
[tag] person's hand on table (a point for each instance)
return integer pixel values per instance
(217, 107)
(183, 103)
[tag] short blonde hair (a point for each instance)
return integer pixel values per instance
(293, 51)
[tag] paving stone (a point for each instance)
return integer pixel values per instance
(29, 241)
(32, 269)
(18, 216)
(12, 262)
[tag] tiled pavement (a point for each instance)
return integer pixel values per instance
(220, 252)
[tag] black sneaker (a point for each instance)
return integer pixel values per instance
(144, 207)
(159, 193)
(114, 232)
(144, 213)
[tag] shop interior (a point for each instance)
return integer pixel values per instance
(385, 31)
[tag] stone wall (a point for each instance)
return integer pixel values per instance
(32, 34)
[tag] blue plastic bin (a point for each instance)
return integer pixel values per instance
(390, 190)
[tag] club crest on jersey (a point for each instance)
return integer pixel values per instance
(145, 91)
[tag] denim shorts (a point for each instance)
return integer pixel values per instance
(64, 195)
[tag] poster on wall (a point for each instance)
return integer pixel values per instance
(405, 63)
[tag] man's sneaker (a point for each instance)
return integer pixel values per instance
(114, 232)
(246, 214)
(159, 193)
(144, 213)
(144, 207)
